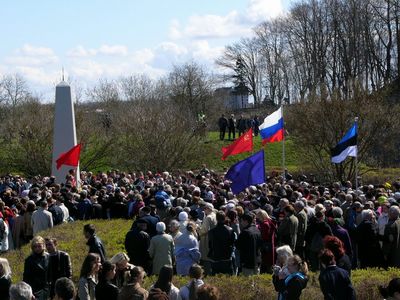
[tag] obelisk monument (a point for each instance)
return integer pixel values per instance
(64, 130)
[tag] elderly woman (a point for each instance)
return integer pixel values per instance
(369, 250)
(283, 254)
(187, 250)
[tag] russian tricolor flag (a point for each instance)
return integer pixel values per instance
(271, 130)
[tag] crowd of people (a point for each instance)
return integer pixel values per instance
(191, 224)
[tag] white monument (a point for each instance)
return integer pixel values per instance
(64, 130)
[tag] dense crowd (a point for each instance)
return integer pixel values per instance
(191, 223)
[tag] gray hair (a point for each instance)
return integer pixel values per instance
(367, 214)
(394, 211)
(21, 291)
(119, 257)
(337, 212)
(299, 204)
(284, 251)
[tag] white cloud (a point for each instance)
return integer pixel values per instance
(111, 50)
(30, 50)
(118, 50)
(233, 24)
(38, 75)
(31, 61)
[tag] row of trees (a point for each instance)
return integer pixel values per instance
(319, 46)
(130, 123)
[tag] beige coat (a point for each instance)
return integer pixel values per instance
(161, 250)
(41, 220)
(209, 222)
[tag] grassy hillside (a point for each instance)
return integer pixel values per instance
(113, 232)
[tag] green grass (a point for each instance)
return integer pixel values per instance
(273, 154)
(113, 232)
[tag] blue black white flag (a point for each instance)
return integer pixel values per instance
(346, 147)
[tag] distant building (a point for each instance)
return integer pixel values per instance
(233, 99)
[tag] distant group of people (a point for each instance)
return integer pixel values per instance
(183, 220)
(240, 125)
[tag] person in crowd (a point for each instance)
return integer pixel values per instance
(187, 250)
(134, 290)
(335, 245)
(283, 254)
(222, 124)
(174, 231)
(290, 286)
(231, 127)
(249, 245)
(221, 245)
(256, 125)
(334, 281)
(157, 294)
(36, 268)
(189, 291)
(94, 243)
(315, 234)
(64, 289)
(121, 261)
(241, 125)
(164, 283)
(301, 216)
(209, 222)
(391, 238)
(5, 278)
(145, 214)
(21, 291)
(137, 243)
(42, 219)
(4, 231)
(208, 292)
(88, 278)
(59, 263)
(267, 229)
(105, 290)
(28, 230)
(287, 229)
(339, 231)
(17, 230)
(369, 250)
(161, 249)
(60, 202)
(392, 291)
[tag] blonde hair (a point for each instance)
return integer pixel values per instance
(5, 269)
(262, 215)
(37, 240)
(301, 265)
(119, 257)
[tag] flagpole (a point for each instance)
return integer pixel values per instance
(283, 148)
(356, 158)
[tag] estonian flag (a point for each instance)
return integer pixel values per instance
(346, 147)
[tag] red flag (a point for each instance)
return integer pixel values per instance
(70, 158)
(242, 144)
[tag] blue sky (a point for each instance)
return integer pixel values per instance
(108, 39)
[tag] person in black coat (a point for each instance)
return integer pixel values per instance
(59, 264)
(151, 221)
(222, 124)
(369, 250)
(94, 243)
(105, 290)
(36, 267)
(137, 242)
(249, 245)
(334, 281)
(221, 242)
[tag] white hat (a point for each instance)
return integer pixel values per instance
(183, 216)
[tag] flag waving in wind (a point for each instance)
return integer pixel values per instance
(346, 147)
(271, 130)
(70, 158)
(242, 144)
(247, 172)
